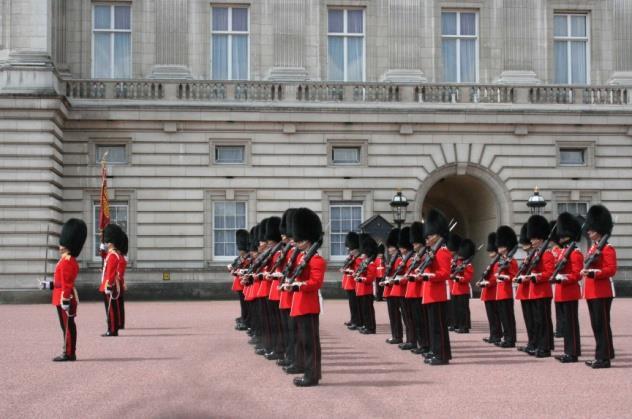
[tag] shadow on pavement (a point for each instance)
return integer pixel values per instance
(163, 335)
(127, 359)
(369, 371)
(374, 383)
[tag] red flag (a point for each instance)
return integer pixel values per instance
(104, 209)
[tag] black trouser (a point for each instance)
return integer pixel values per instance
(394, 317)
(451, 315)
(599, 310)
(439, 335)
(121, 310)
(266, 326)
(495, 330)
(243, 306)
(288, 337)
(543, 324)
(420, 323)
(68, 327)
(276, 330)
(461, 311)
(570, 327)
(309, 345)
(354, 308)
(379, 291)
(527, 314)
(368, 312)
(559, 319)
(507, 319)
(407, 315)
(111, 313)
(251, 321)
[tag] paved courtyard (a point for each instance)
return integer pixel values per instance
(185, 360)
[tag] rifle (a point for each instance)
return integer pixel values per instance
(400, 269)
(504, 261)
(362, 269)
(389, 267)
(543, 248)
(487, 270)
(562, 262)
(281, 258)
(430, 254)
(414, 264)
(458, 269)
(523, 266)
(593, 256)
(300, 268)
(259, 262)
(348, 262)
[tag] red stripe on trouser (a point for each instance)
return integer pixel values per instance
(67, 337)
(111, 315)
(443, 348)
(606, 328)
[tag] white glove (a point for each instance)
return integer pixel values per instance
(65, 304)
(108, 290)
(47, 285)
(561, 277)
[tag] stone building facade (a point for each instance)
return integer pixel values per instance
(216, 115)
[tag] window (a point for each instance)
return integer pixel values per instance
(119, 215)
(571, 49)
(345, 44)
(575, 208)
(344, 217)
(459, 43)
(572, 156)
(230, 43)
(116, 154)
(111, 41)
(225, 154)
(345, 155)
(228, 217)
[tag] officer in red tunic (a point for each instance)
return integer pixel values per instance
(110, 286)
(242, 242)
(414, 292)
(556, 249)
(122, 268)
(541, 292)
(352, 243)
(364, 278)
(274, 241)
(394, 317)
(522, 294)
(598, 286)
(306, 302)
(65, 299)
(435, 290)
(462, 275)
(504, 271)
(488, 294)
(567, 292)
(400, 286)
(380, 263)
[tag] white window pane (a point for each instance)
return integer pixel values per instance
(122, 55)
(335, 226)
(229, 154)
(335, 58)
(230, 222)
(230, 249)
(335, 213)
(241, 209)
(561, 63)
(357, 214)
(122, 17)
(578, 26)
(449, 60)
(220, 57)
(240, 57)
(572, 156)
(355, 61)
(468, 60)
(115, 154)
(240, 19)
(102, 64)
(102, 17)
(560, 25)
(336, 20)
(219, 249)
(578, 62)
(220, 19)
(448, 23)
(346, 155)
(219, 209)
(354, 21)
(468, 24)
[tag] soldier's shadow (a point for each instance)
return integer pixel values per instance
(375, 383)
(138, 359)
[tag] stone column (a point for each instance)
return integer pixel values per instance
(622, 42)
(288, 18)
(172, 44)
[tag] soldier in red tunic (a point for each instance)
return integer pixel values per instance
(453, 243)
(352, 243)
(65, 298)
(567, 292)
(488, 294)
(414, 292)
(380, 263)
(122, 268)
(400, 286)
(242, 242)
(462, 275)
(504, 271)
(599, 268)
(364, 277)
(110, 286)
(522, 294)
(394, 317)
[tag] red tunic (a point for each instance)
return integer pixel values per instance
(275, 293)
(601, 285)
(488, 293)
(285, 297)
(462, 286)
(348, 283)
(266, 284)
(570, 290)
(66, 272)
(237, 285)
(122, 267)
(365, 287)
(399, 290)
(110, 270)
(541, 287)
(504, 289)
(435, 290)
(389, 288)
(305, 300)
(413, 288)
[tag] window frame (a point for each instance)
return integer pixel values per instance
(213, 203)
(568, 39)
(112, 31)
(95, 221)
(346, 35)
(216, 147)
(346, 163)
(111, 163)
(458, 38)
(229, 32)
(583, 150)
(362, 144)
(342, 204)
(587, 146)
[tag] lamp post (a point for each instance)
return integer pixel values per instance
(536, 202)
(398, 206)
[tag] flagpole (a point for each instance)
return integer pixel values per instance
(102, 209)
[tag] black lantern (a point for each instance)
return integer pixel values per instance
(398, 206)
(536, 202)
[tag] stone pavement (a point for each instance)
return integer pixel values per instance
(185, 360)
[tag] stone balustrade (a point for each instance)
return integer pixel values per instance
(314, 91)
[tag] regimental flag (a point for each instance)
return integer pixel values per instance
(104, 209)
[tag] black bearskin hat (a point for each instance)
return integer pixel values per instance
(506, 237)
(368, 245)
(404, 239)
(568, 226)
(124, 245)
(73, 236)
(523, 235)
(467, 248)
(417, 233)
(242, 239)
(272, 229)
(491, 242)
(454, 242)
(436, 223)
(599, 219)
(112, 233)
(352, 241)
(538, 227)
(555, 238)
(285, 228)
(393, 238)
(306, 225)
(261, 231)
(254, 242)
(380, 249)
